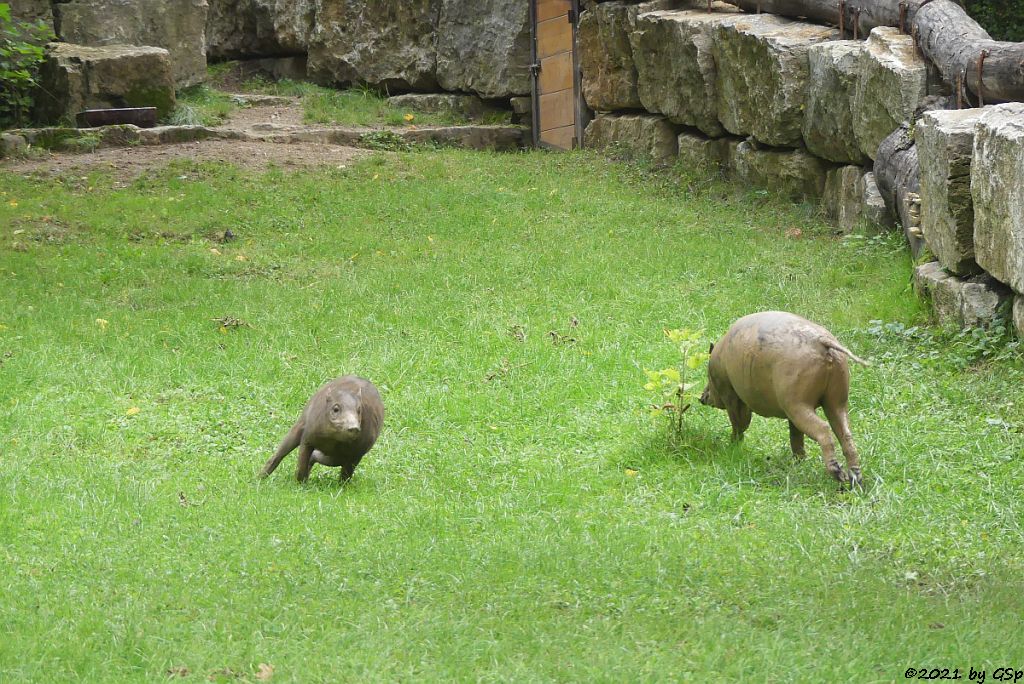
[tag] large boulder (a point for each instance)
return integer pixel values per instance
(997, 177)
(483, 47)
(259, 28)
(77, 77)
(179, 27)
(675, 65)
(945, 143)
(796, 173)
(762, 74)
(893, 82)
(387, 43)
(966, 302)
(606, 55)
(834, 68)
(638, 136)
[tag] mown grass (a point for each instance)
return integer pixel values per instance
(496, 532)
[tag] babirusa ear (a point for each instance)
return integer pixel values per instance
(711, 348)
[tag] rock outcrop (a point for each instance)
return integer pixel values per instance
(259, 28)
(179, 27)
(388, 43)
(483, 47)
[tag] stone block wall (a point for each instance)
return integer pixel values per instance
(794, 107)
(479, 47)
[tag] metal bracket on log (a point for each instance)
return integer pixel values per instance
(981, 80)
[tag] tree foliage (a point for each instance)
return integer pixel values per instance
(22, 52)
(1003, 19)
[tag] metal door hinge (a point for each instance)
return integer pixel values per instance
(535, 69)
(572, 16)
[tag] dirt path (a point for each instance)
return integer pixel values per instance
(128, 163)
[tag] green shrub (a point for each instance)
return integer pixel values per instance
(21, 54)
(1003, 19)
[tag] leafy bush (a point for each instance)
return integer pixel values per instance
(1003, 19)
(21, 54)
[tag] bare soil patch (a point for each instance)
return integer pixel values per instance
(246, 117)
(128, 163)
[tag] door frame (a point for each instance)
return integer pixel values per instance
(577, 80)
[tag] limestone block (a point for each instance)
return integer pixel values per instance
(762, 75)
(606, 55)
(77, 77)
(703, 154)
(179, 27)
(828, 120)
(387, 43)
(966, 302)
(791, 172)
(843, 197)
(675, 64)
(466, 106)
(997, 180)
(259, 28)
(945, 143)
(483, 47)
(642, 136)
(1018, 314)
(892, 83)
(875, 211)
(31, 11)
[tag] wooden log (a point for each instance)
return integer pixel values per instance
(867, 13)
(953, 41)
(956, 44)
(898, 175)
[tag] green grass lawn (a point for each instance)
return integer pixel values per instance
(522, 517)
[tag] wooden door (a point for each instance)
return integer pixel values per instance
(556, 120)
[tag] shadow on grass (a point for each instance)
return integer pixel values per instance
(763, 459)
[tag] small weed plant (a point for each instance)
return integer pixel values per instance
(672, 391)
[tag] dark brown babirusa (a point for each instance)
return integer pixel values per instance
(780, 365)
(338, 426)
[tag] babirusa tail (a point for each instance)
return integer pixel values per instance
(832, 344)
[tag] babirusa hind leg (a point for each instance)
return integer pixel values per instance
(290, 441)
